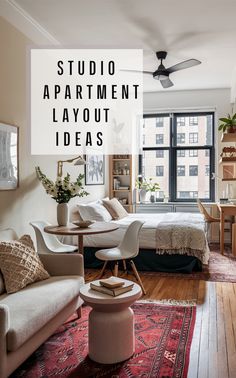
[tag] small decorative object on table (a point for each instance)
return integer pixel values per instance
(62, 190)
(112, 286)
(112, 282)
(83, 224)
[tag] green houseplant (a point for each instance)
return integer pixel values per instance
(228, 124)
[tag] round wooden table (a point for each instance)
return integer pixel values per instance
(71, 229)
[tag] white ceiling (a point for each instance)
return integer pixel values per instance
(201, 29)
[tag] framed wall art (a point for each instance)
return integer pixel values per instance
(94, 170)
(9, 161)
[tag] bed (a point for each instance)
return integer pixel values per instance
(170, 242)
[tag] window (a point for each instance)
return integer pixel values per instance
(193, 153)
(181, 170)
(159, 122)
(207, 170)
(188, 194)
(159, 138)
(181, 138)
(180, 153)
(159, 170)
(180, 121)
(193, 121)
(193, 170)
(193, 137)
(159, 153)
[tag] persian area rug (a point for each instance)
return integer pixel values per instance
(163, 339)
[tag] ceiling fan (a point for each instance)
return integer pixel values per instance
(162, 73)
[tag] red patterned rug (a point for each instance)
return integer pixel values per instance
(163, 339)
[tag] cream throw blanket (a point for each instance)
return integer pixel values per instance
(182, 238)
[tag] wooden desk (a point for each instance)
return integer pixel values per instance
(71, 229)
(225, 209)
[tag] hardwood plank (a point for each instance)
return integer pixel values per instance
(229, 331)
(213, 357)
(221, 338)
(195, 347)
(203, 361)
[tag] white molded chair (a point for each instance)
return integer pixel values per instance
(48, 243)
(126, 250)
(8, 234)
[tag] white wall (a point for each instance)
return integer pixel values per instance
(29, 201)
(214, 99)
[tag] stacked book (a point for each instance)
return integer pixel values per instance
(112, 286)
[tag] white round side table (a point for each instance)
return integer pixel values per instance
(111, 324)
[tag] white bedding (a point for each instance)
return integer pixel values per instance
(147, 238)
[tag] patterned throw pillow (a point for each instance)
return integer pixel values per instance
(20, 264)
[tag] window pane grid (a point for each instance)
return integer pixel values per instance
(190, 148)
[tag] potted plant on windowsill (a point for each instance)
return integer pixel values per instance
(145, 186)
(228, 124)
(62, 190)
(152, 187)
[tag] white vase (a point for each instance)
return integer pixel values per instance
(62, 214)
(142, 195)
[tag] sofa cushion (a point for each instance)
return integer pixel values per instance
(20, 264)
(34, 306)
(2, 285)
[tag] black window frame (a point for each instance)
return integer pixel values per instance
(173, 148)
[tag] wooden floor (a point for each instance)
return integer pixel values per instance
(213, 351)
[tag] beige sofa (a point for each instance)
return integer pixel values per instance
(30, 316)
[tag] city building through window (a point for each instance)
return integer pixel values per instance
(181, 157)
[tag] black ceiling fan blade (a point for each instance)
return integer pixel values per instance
(144, 72)
(167, 83)
(183, 65)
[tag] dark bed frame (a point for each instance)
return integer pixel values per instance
(148, 260)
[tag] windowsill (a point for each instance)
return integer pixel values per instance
(171, 203)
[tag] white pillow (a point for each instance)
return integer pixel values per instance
(94, 211)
